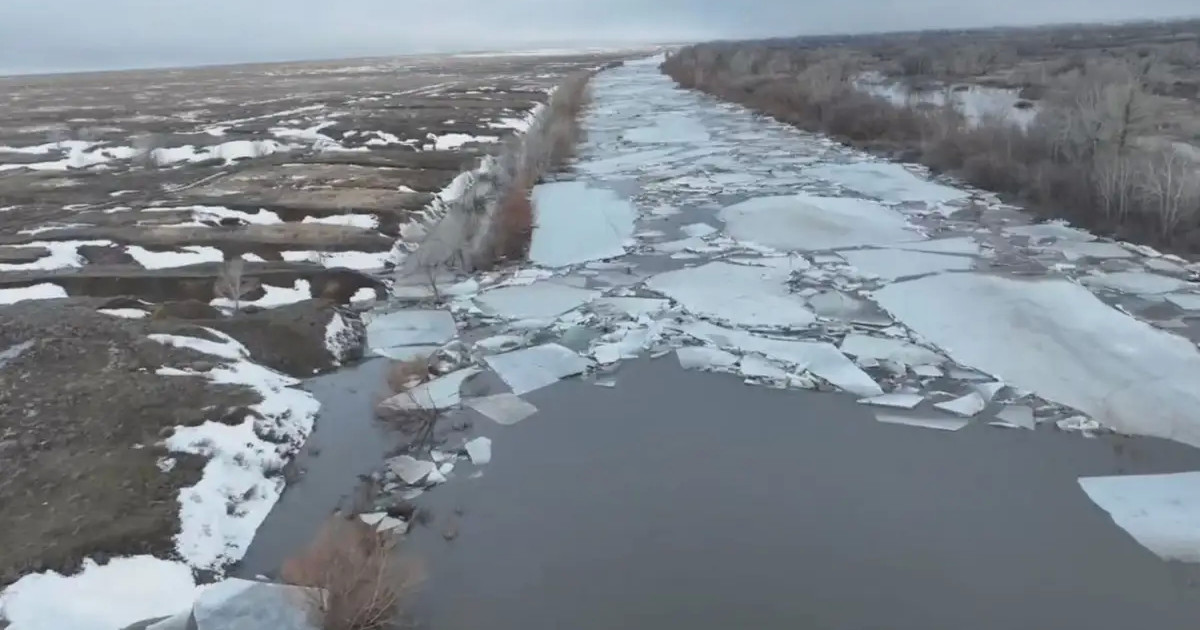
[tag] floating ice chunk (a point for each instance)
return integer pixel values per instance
(1017, 416)
(964, 245)
(838, 305)
(1076, 250)
(988, 390)
(1052, 229)
(529, 369)
(965, 406)
(1125, 373)
(860, 345)
(897, 400)
(1185, 301)
(409, 469)
(820, 358)
(806, 222)
(1161, 512)
(737, 294)
(704, 358)
(669, 128)
(1165, 266)
(886, 181)
(1081, 424)
(479, 450)
(891, 264)
(927, 371)
(410, 328)
(698, 230)
(373, 518)
(440, 393)
(504, 409)
(406, 353)
(927, 422)
(633, 306)
(577, 223)
(754, 366)
(541, 300)
(497, 343)
(1135, 282)
(389, 524)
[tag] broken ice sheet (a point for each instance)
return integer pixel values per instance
(410, 328)
(925, 421)
(890, 264)
(529, 369)
(756, 367)
(1017, 416)
(698, 229)
(633, 306)
(704, 358)
(541, 300)
(866, 346)
(440, 393)
(807, 222)
(737, 294)
(1135, 282)
(577, 223)
(479, 450)
(1185, 301)
(897, 400)
(964, 406)
(505, 409)
(886, 181)
(409, 469)
(1161, 512)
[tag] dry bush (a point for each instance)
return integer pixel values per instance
(364, 585)
(405, 375)
(514, 223)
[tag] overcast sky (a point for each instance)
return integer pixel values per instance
(64, 35)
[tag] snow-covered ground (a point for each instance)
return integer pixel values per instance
(751, 248)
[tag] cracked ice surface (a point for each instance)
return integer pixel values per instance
(577, 223)
(1162, 512)
(807, 222)
(1055, 338)
(891, 264)
(736, 294)
(886, 181)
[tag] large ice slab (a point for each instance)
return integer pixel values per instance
(534, 368)
(577, 223)
(410, 328)
(807, 222)
(1055, 338)
(886, 181)
(868, 347)
(1136, 282)
(540, 300)
(1162, 512)
(735, 294)
(891, 264)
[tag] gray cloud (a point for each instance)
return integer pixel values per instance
(61, 35)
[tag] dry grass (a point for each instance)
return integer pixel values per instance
(405, 375)
(364, 584)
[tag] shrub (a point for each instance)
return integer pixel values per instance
(363, 584)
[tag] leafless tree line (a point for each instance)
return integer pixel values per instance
(1091, 154)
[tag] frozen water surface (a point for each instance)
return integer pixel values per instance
(885, 181)
(807, 222)
(1162, 512)
(540, 300)
(1055, 338)
(736, 294)
(577, 223)
(891, 264)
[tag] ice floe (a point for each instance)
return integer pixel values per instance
(504, 408)
(736, 294)
(1055, 338)
(886, 181)
(891, 264)
(388, 331)
(533, 368)
(541, 300)
(805, 222)
(1162, 512)
(924, 421)
(577, 223)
